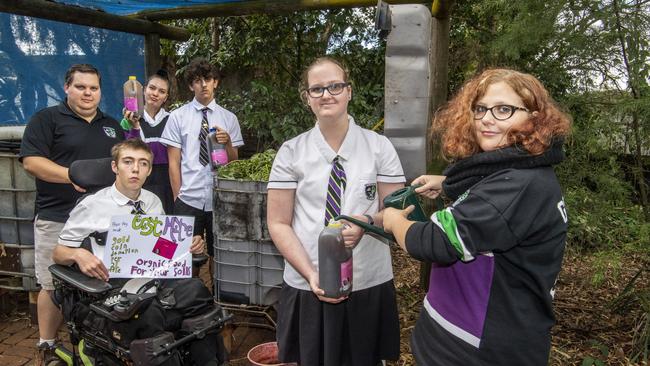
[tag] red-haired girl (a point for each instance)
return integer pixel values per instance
(497, 250)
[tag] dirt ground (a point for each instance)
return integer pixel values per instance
(588, 326)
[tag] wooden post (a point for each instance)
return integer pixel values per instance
(33, 302)
(152, 60)
(237, 8)
(438, 61)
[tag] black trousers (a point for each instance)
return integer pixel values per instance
(202, 222)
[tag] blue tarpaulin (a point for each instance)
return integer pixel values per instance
(124, 7)
(35, 54)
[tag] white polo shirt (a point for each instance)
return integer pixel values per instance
(304, 164)
(94, 213)
(182, 131)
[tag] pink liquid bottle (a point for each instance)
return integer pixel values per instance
(134, 96)
(217, 151)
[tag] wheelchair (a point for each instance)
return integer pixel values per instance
(102, 317)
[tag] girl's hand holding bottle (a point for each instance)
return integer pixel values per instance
(133, 119)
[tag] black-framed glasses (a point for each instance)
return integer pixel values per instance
(333, 89)
(500, 111)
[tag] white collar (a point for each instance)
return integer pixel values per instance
(211, 106)
(346, 147)
(120, 198)
(153, 121)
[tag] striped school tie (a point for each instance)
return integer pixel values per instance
(203, 152)
(335, 189)
(137, 208)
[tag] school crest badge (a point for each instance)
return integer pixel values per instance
(371, 191)
(110, 132)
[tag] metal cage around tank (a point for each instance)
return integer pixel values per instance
(17, 196)
(248, 267)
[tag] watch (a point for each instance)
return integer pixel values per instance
(371, 221)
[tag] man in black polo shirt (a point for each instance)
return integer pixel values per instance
(54, 138)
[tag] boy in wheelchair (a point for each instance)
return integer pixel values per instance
(147, 322)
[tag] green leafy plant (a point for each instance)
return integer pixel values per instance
(603, 352)
(257, 168)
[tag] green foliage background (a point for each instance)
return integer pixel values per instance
(592, 55)
(263, 57)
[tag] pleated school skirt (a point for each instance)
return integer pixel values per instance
(359, 331)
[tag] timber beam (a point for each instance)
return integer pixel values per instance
(258, 7)
(91, 18)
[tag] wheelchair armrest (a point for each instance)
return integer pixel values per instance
(79, 280)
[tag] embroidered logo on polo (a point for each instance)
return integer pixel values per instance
(371, 191)
(110, 132)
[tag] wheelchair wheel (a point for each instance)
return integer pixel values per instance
(88, 355)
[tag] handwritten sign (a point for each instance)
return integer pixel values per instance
(153, 246)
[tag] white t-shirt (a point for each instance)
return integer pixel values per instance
(182, 131)
(94, 212)
(304, 164)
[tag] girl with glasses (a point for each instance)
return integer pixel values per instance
(497, 250)
(334, 168)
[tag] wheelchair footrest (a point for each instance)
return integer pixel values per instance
(202, 321)
(146, 352)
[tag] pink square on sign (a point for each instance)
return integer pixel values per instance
(165, 248)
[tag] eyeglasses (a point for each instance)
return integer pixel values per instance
(333, 89)
(501, 112)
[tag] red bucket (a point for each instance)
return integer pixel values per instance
(266, 354)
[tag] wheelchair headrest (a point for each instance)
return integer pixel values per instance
(92, 174)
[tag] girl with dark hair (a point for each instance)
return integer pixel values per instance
(497, 250)
(149, 128)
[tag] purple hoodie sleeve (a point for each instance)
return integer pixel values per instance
(132, 134)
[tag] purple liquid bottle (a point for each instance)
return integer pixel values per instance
(334, 262)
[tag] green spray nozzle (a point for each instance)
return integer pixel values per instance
(400, 199)
(372, 230)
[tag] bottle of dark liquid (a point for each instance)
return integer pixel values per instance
(334, 262)
(217, 151)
